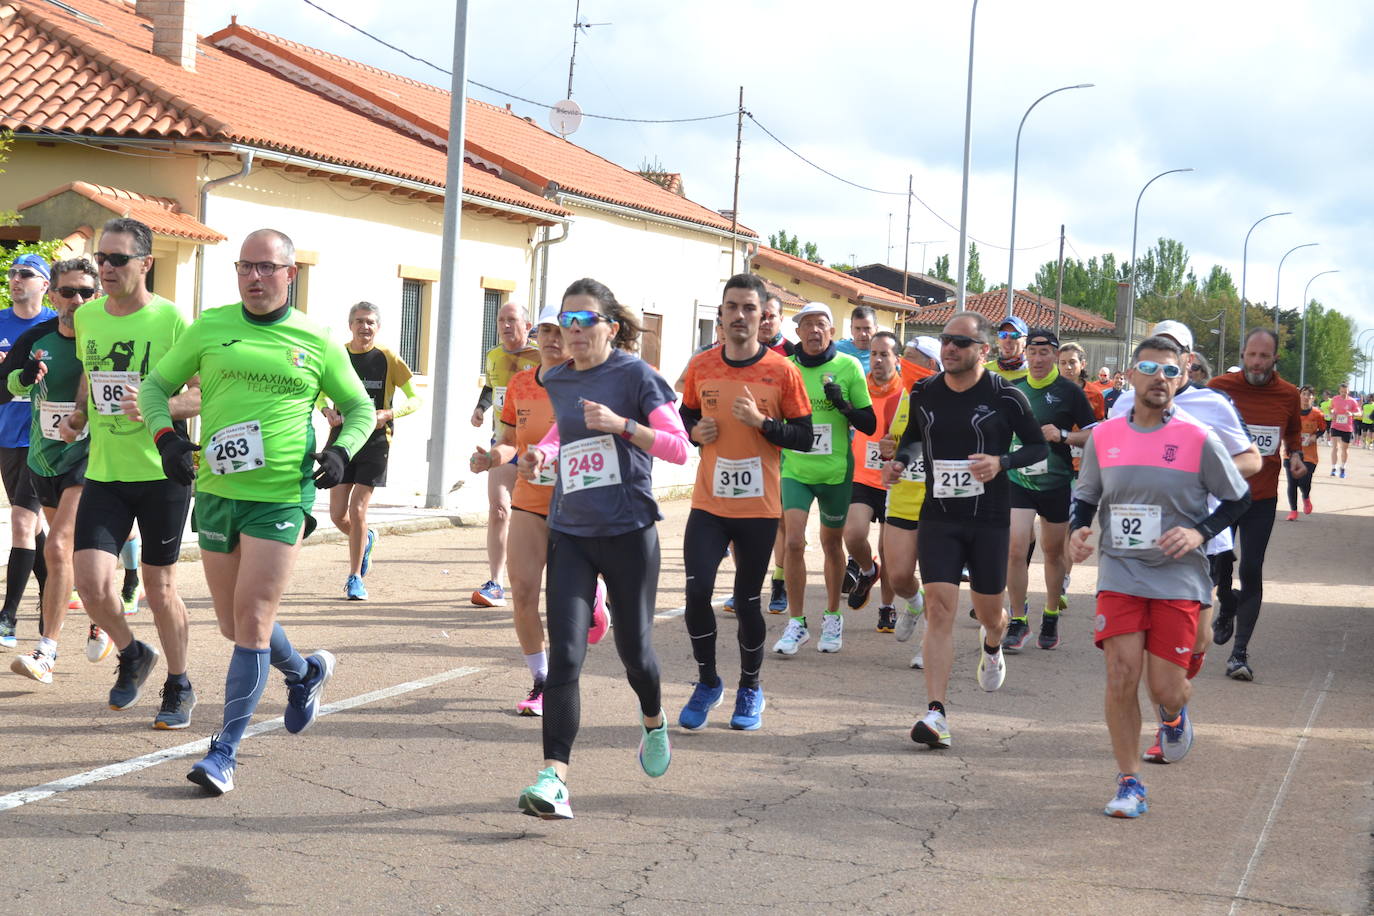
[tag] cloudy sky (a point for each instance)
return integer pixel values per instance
(1270, 103)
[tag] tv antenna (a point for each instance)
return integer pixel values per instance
(579, 26)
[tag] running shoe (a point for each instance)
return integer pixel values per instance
(918, 661)
(1292, 515)
(1154, 754)
(74, 604)
(532, 705)
(601, 620)
(1333, 472)
(131, 603)
(729, 605)
(749, 706)
(698, 709)
(863, 588)
(177, 703)
(1049, 632)
(777, 604)
(1063, 597)
(98, 644)
(1306, 506)
(933, 730)
(303, 698)
(832, 633)
(655, 750)
(1176, 737)
(131, 674)
(1342, 473)
(851, 576)
(367, 552)
(1195, 664)
(907, 620)
(7, 638)
(1018, 631)
(489, 595)
(547, 798)
(1238, 667)
(887, 618)
(215, 774)
(1222, 628)
(793, 638)
(354, 589)
(1129, 800)
(992, 668)
(37, 665)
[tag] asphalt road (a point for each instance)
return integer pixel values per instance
(403, 800)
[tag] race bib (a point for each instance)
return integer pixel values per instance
(1266, 438)
(589, 463)
(873, 459)
(1035, 470)
(236, 448)
(498, 399)
(107, 390)
(954, 480)
(1308, 439)
(915, 472)
(738, 478)
(546, 477)
(1135, 526)
(820, 439)
(1342, 418)
(50, 417)
(1075, 451)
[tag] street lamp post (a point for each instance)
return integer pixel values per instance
(1015, 177)
(1135, 231)
(1302, 363)
(1244, 256)
(1359, 348)
(968, 139)
(1278, 278)
(1220, 331)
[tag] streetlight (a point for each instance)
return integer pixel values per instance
(1135, 229)
(968, 140)
(1359, 348)
(1015, 175)
(1220, 331)
(1279, 279)
(1244, 254)
(1302, 370)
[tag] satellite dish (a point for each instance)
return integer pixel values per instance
(565, 117)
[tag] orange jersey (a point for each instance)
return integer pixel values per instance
(529, 412)
(1313, 425)
(1271, 414)
(1095, 401)
(867, 465)
(738, 473)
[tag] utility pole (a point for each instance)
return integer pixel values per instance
(1059, 286)
(906, 249)
(578, 27)
(734, 205)
(889, 240)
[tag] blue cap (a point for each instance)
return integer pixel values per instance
(1016, 323)
(34, 262)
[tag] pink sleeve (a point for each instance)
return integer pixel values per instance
(549, 444)
(670, 439)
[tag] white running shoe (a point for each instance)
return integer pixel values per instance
(918, 661)
(906, 622)
(36, 664)
(933, 730)
(992, 669)
(98, 644)
(832, 633)
(793, 638)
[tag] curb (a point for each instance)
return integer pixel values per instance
(335, 536)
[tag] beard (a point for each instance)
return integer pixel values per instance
(1259, 378)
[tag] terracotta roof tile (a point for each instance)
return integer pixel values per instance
(162, 214)
(788, 298)
(852, 288)
(1037, 311)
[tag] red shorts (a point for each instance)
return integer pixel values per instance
(1169, 625)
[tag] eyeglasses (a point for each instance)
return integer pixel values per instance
(962, 341)
(22, 273)
(72, 292)
(1150, 367)
(116, 260)
(581, 319)
(261, 268)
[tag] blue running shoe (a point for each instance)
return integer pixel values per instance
(1129, 800)
(729, 605)
(777, 602)
(215, 774)
(655, 750)
(490, 594)
(177, 704)
(7, 638)
(1175, 738)
(367, 550)
(130, 676)
(704, 699)
(303, 699)
(354, 589)
(749, 706)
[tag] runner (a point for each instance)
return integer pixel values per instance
(920, 359)
(1367, 418)
(903, 515)
(1199, 371)
(965, 418)
(614, 414)
(1344, 410)
(1011, 349)
(742, 403)
(770, 335)
(863, 323)
(29, 277)
(839, 399)
(1073, 363)
(1043, 490)
(1152, 473)
(512, 354)
(1326, 414)
(382, 372)
(1270, 407)
(1312, 426)
(119, 338)
(262, 366)
(43, 362)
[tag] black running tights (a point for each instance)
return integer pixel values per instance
(629, 564)
(1252, 538)
(1295, 484)
(704, 545)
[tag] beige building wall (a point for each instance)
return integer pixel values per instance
(840, 307)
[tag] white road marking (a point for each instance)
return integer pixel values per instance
(133, 765)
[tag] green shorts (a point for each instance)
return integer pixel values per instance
(832, 498)
(219, 522)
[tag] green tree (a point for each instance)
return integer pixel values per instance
(941, 269)
(974, 281)
(1089, 285)
(793, 246)
(1331, 354)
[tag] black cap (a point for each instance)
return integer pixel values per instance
(1042, 337)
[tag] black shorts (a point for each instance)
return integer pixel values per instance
(906, 524)
(50, 489)
(1341, 434)
(945, 548)
(14, 469)
(109, 509)
(368, 467)
(861, 494)
(1051, 505)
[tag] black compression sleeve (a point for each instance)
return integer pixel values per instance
(484, 399)
(1227, 514)
(1082, 515)
(19, 355)
(794, 433)
(863, 419)
(690, 418)
(911, 437)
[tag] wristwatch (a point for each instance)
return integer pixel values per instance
(630, 427)
(1004, 461)
(1063, 435)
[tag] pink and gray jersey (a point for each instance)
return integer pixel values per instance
(1145, 482)
(1344, 410)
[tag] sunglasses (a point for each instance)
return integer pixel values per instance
(1010, 335)
(116, 260)
(261, 268)
(1150, 367)
(582, 319)
(73, 292)
(962, 341)
(21, 273)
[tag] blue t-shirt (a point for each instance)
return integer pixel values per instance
(605, 496)
(848, 346)
(14, 416)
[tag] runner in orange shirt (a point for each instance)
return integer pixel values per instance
(1313, 425)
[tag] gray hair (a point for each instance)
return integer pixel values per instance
(72, 265)
(365, 307)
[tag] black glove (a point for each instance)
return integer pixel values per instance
(176, 452)
(29, 374)
(333, 462)
(835, 395)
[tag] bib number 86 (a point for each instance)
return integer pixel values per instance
(112, 394)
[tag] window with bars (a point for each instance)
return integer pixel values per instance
(492, 300)
(412, 312)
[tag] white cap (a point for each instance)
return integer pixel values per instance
(814, 308)
(548, 316)
(929, 347)
(1234, 369)
(1175, 329)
